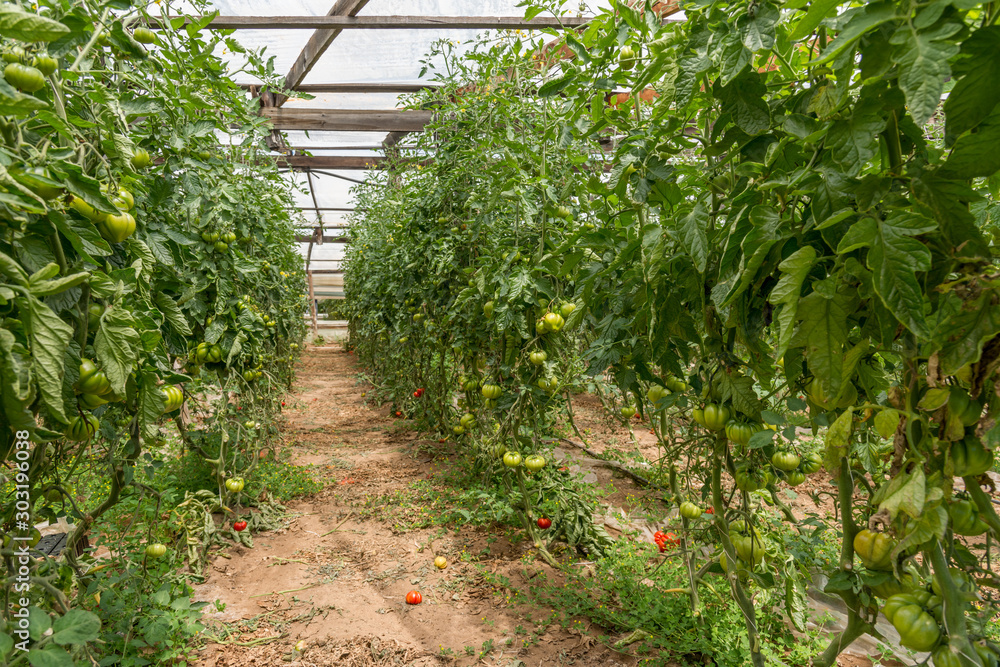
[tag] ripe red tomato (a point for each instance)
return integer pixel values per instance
(710, 510)
(414, 597)
(673, 540)
(398, 413)
(240, 526)
(282, 404)
(544, 523)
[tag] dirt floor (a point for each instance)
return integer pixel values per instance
(330, 588)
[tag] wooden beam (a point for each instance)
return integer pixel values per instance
(338, 23)
(317, 45)
(362, 87)
(347, 120)
(331, 162)
(326, 272)
(326, 239)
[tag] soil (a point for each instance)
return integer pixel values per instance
(329, 588)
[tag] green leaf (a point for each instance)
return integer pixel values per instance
(930, 524)
(16, 394)
(859, 235)
(172, 312)
(922, 58)
(50, 656)
(852, 139)
(818, 11)
(16, 103)
(744, 99)
(895, 258)
(555, 86)
(758, 29)
(977, 92)
(116, 346)
(693, 236)
(785, 294)
(50, 287)
(82, 235)
(975, 154)
(20, 25)
(12, 269)
(151, 404)
(906, 492)
(858, 21)
(76, 627)
(886, 422)
(838, 439)
(822, 331)
(949, 201)
(795, 601)
(933, 399)
(761, 439)
(48, 337)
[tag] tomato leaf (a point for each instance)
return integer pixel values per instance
(977, 92)
(886, 422)
(75, 627)
(818, 11)
(17, 24)
(838, 439)
(785, 294)
(172, 312)
(15, 394)
(151, 404)
(906, 492)
(795, 601)
(48, 337)
(693, 235)
(822, 331)
(115, 344)
(975, 154)
(922, 57)
(895, 258)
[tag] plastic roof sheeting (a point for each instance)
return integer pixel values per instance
(355, 56)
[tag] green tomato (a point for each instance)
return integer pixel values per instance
(24, 77)
(567, 309)
(512, 459)
(964, 516)
(747, 542)
(785, 461)
(45, 64)
(220, 246)
(874, 549)
(655, 393)
(534, 463)
(970, 458)
(716, 417)
(795, 477)
(155, 550)
(538, 357)
(92, 379)
(968, 410)
(626, 57)
(235, 484)
(491, 391)
(141, 159)
(917, 629)
(117, 228)
(627, 411)
(739, 433)
(82, 427)
(749, 478)
(689, 510)
(144, 36)
(812, 463)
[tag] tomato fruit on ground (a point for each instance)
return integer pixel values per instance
(538, 357)
(716, 417)
(964, 516)
(155, 550)
(117, 228)
(689, 510)
(917, 629)
(240, 526)
(534, 463)
(874, 549)
(512, 459)
(24, 77)
(414, 597)
(970, 457)
(739, 433)
(440, 562)
(544, 523)
(82, 427)
(235, 484)
(141, 158)
(786, 461)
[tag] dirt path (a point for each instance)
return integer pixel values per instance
(329, 589)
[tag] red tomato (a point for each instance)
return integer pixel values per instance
(282, 404)
(240, 526)
(544, 522)
(673, 540)
(414, 597)
(710, 510)
(398, 413)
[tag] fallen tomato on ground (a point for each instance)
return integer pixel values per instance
(414, 597)
(240, 526)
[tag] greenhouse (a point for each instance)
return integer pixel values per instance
(507, 332)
